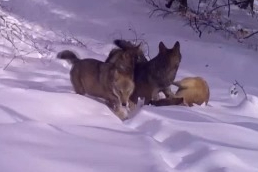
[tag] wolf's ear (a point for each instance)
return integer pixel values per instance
(176, 48)
(162, 47)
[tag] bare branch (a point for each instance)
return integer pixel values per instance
(242, 87)
(138, 39)
(228, 8)
(252, 34)
(209, 17)
(158, 9)
(16, 33)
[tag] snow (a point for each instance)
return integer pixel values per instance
(45, 126)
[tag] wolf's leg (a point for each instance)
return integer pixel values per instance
(149, 97)
(168, 93)
(77, 85)
(153, 94)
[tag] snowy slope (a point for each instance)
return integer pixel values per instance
(45, 127)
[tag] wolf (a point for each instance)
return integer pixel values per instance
(157, 74)
(140, 59)
(193, 90)
(102, 80)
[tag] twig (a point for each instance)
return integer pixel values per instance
(138, 38)
(242, 87)
(6, 66)
(15, 33)
(198, 9)
(157, 8)
(252, 34)
(224, 5)
(228, 8)
(197, 27)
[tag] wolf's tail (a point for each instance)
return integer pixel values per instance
(68, 55)
(123, 44)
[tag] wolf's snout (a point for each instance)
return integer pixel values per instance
(124, 104)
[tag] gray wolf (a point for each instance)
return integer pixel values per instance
(157, 74)
(164, 65)
(193, 90)
(102, 80)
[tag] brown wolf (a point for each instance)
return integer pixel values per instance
(123, 45)
(157, 74)
(99, 79)
(193, 90)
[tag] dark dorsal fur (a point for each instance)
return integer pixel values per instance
(124, 45)
(158, 73)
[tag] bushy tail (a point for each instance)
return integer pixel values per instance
(68, 55)
(123, 44)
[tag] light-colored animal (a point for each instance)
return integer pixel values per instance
(193, 90)
(100, 79)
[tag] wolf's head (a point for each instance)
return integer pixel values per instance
(173, 55)
(123, 87)
(170, 58)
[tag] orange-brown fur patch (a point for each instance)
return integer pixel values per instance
(194, 90)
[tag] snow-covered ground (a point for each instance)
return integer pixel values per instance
(45, 127)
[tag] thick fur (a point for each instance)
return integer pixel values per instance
(138, 55)
(99, 79)
(134, 50)
(193, 90)
(157, 74)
